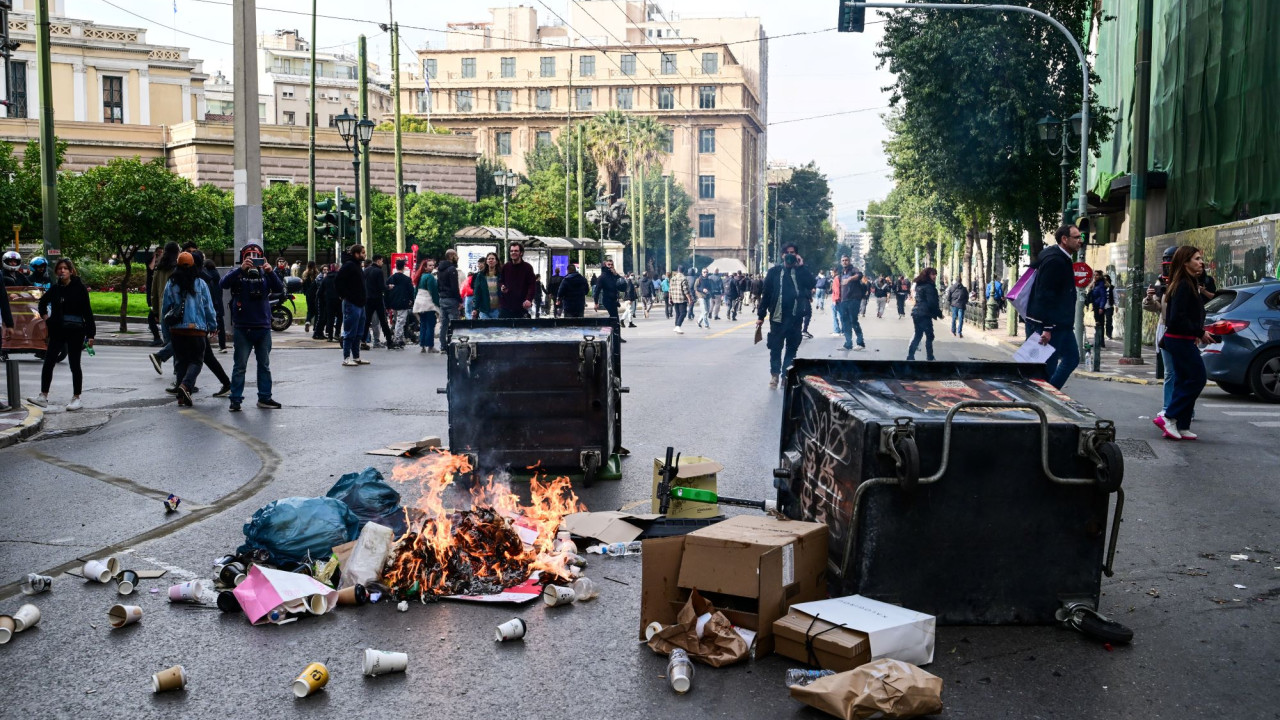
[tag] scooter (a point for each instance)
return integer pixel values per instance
(281, 316)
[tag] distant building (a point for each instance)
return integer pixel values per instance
(284, 68)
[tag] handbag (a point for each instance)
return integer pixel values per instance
(176, 313)
(422, 302)
(1020, 296)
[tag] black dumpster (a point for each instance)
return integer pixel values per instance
(544, 393)
(975, 492)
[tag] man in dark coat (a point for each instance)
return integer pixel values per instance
(785, 301)
(1051, 309)
(571, 295)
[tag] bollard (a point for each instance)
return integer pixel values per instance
(1097, 347)
(13, 384)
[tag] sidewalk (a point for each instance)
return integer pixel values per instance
(294, 337)
(18, 424)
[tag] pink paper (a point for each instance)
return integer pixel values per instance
(525, 592)
(265, 590)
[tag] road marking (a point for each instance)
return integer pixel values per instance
(735, 328)
(1266, 424)
(1272, 413)
(120, 482)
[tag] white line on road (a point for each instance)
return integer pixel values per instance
(1271, 413)
(1266, 424)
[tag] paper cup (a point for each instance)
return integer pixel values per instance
(28, 616)
(231, 574)
(312, 679)
(228, 602)
(128, 581)
(381, 662)
(175, 678)
(317, 604)
(652, 629)
(34, 584)
(121, 615)
(113, 564)
(584, 588)
(7, 629)
(97, 571)
(354, 595)
(512, 629)
(186, 592)
(556, 595)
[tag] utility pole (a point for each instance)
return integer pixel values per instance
(48, 156)
(666, 214)
(395, 93)
(247, 176)
(1138, 190)
(568, 137)
(311, 147)
(764, 232)
(582, 255)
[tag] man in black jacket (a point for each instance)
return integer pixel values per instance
(448, 285)
(571, 295)
(611, 283)
(375, 307)
(350, 287)
(1051, 310)
(787, 290)
(399, 301)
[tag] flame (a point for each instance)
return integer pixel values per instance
(493, 544)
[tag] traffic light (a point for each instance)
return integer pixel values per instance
(347, 215)
(862, 216)
(853, 16)
(326, 219)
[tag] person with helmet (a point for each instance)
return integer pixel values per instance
(250, 286)
(13, 274)
(39, 273)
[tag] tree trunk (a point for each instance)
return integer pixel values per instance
(970, 237)
(124, 292)
(988, 273)
(1035, 236)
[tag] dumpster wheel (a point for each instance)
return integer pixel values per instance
(1110, 467)
(908, 463)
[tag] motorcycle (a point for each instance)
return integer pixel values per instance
(281, 316)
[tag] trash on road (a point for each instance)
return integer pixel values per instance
(882, 688)
(679, 671)
(803, 677)
(96, 571)
(815, 641)
(403, 606)
(369, 555)
(231, 574)
(652, 629)
(27, 617)
(556, 595)
(407, 449)
(1239, 557)
(692, 472)
(174, 678)
(354, 595)
(717, 645)
(891, 631)
(126, 581)
(227, 601)
(381, 662)
(186, 592)
(585, 589)
(113, 564)
(370, 498)
(34, 583)
(171, 503)
(512, 629)
(121, 615)
(267, 590)
(314, 677)
(7, 628)
(298, 529)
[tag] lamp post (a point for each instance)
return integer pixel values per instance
(506, 179)
(355, 133)
(1059, 143)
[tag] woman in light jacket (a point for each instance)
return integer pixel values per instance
(187, 310)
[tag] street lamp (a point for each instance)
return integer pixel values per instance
(507, 180)
(355, 135)
(1059, 143)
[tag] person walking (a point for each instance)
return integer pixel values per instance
(836, 330)
(332, 302)
(351, 288)
(519, 289)
(251, 285)
(702, 292)
(1154, 303)
(450, 297)
(1109, 313)
(787, 289)
(375, 308)
(1184, 329)
(553, 292)
(646, 293)
(853, 290)
(820, 291)
(68, 316)
(678, 298)
(733, 298)
(666, 295)
(187, 308)
(902, 291)
(571, 297)
(629, 297)
(153, 313)
(927, 308)
(958, 299)
(610, 285)
(717, 294)
(400, 292)
(310, 284)
(426, 303)
(486, 290)
(1098, 300)
(210, 280)
(883, 288)
(1051, 307)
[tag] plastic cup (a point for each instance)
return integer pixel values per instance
(512, 629)
(314, 677)
(652, 629)
(584, 588)
(28, 616)
(34, 584)
(381, 662)
(121, 615)
(557, 595)
(700, 626)
(186, 592)
(113, 564)
(128, 581)
(680, 671)
(7, 629)
(97, 571)
(175, 678)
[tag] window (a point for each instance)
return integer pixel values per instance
(666, 98)
(706, 226)
(333, 121)
(542, 138)
(624, 185)
(710, 63)
(587, 65)
(429, 68)
(286, 91)
(288, 118)
(426, 100)
(624, 98)
(17, 88)
(409, 189)
(464, 100)
(706, 187)
(707, 140)
(212, 107)
(707, 97)
(584, 98)
(666, 142)
(279, 181)
(547, 67)
(502, 140)
(468, 67)
(504, 101)
(113, 99)
(629, 64)
(668, 63)
(508, 67)
(262, 112)
(544, 100)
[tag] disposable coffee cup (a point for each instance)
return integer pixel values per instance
(7, 629)
(584, 588)
(186, 592)
(354, 595)
(317, 604)
(175, 678)
(680, 671)
(172, 502)
(113, 564)
(28, 616)
(381, 662)
(231, 574)
(228, 602)
(314, 677)
(128, 581)
(652, 629)
(512, 629)
(556, 595)
(700, 626)
(121, 615)
(97, 571)
(34, 584)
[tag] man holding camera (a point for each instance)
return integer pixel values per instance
(250, 286)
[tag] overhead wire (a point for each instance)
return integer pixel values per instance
(166, 27)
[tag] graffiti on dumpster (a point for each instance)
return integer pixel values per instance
(824, 496)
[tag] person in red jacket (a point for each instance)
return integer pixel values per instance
(519, 287)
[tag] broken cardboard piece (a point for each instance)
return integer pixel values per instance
(343, 552)
(609, 526)
(881, 689)
(809, 640)
(151, 574)
(892, 631)
(407, 449)
(718, 644)
(695, 472)
(525, 592)
(266, 589)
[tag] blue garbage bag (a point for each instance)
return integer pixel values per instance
(370, 498)
(299, 529)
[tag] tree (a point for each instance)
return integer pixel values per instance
(607, 138)
(129, 205)
(431, 219)
(284, 217)
(654, 242)
(20, 201)
(411, 124)
(800, 214)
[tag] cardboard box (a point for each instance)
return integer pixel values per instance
(695, 472)
(750, 567)
(834, 648)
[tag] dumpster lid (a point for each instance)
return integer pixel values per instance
(536, 334)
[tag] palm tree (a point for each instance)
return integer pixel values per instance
(606, 141)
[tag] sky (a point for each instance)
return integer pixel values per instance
(812, 74)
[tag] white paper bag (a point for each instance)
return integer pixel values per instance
(1033, 352)
(893, 632)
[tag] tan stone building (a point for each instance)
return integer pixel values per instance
(511, 83)
(284, 67)
(102, 73)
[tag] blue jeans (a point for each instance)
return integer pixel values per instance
(489, 315)
(1170, 378)
(819, 296)
(1062, 363)
(426, 329)
(1185, 357)
(835, 318)
(957, 321)
(352, 329)
(257, 340)
(849, 311)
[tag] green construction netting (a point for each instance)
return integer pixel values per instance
(1215, 101)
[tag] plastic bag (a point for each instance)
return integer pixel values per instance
(299, 529)
(369, 556)
(370, 498)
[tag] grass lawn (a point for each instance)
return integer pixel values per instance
(108, 303)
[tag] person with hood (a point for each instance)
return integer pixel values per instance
(450, 297)
(250, 286)
(187, 309)
(350, 286)
(925, 311)
(573, 292)
(788, 288)
(611, 283)
(399, 301)
(958, 299)
(426, 303)
(68, 316)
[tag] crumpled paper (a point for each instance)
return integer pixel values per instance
(882, 688)
(719, 645)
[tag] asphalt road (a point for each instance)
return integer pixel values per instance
(1204, 646)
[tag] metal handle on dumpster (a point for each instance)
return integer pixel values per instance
(1008, 405)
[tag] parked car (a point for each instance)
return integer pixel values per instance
(29, 331)
(1246, 321)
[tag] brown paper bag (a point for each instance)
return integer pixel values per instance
(892, 687)
(719, 645)
(759, 334)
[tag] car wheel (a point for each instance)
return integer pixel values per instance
(1235, 388)
(1265, 376)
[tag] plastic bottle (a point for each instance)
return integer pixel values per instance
(89, 349)
(619, 549)
(564, 543)
(680, 671)
(802, 677)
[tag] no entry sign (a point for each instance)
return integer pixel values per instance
(1084, 275)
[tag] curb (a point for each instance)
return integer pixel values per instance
(25, 429)
(1012, 345)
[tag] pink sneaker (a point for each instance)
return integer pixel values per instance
(1170, 431)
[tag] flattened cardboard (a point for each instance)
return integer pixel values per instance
(407, 449)
(696, 472)
(835, 648)
(608, 526)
